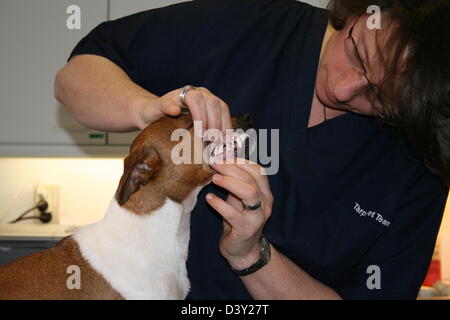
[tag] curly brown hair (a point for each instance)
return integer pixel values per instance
(415, 89)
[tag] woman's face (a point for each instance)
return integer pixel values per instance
(348, 74)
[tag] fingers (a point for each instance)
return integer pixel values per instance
(203, 106)
(248, 192)
(242, 228)
(214, 117)
(254, 170)
(244, 225)
(226, 118)
(209, 109)
(170, 108)
(250, 173)
(227, 211)
(196, 104)
(213, 108)
(235, 202)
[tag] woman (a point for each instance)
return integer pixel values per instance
(353, 211)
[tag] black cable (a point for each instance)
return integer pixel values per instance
(44, 216)
(25, 218)
(21, 217)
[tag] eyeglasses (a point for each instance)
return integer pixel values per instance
(355, 60)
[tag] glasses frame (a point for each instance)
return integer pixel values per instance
(361, 69)
(386, 115)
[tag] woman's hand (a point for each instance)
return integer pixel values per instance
(242, 228)
(203, 105)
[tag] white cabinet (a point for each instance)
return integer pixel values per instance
(34, 44)
(317, 3)
(120, 8)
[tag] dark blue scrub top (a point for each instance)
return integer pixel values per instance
(347, 194)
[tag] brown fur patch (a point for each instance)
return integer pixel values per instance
(43, 276)
(169, 180)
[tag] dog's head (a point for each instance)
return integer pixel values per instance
(152, 170)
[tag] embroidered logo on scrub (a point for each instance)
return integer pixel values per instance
(371, 214)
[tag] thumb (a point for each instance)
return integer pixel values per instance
(155, 110)
(171, 109)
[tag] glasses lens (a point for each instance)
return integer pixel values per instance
(353, 56)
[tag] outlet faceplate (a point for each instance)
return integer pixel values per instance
(50, 192)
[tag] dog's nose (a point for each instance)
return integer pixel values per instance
(244, 122)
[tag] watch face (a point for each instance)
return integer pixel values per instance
(265, 250)
(264, 257)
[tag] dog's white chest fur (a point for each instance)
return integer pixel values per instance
(141, 256)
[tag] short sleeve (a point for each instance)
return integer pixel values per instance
(151, 36)
(114, 40)
(402, 254)
(151, 45)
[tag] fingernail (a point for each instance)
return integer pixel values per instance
(209, 196)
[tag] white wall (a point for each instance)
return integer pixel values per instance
(86, 186)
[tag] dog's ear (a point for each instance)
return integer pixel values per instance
(139, 167)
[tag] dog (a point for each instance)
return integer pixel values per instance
(139, 249)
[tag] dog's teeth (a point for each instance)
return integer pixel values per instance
(240, 139)
(217, 150)
(231, 149)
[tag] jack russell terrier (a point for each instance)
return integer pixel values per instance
(139, 249)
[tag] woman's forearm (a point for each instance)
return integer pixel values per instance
(240, 243)
(281, 279)
(100, 95)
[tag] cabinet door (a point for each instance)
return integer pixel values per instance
(11, 250)
(35, 43)
(317, 3)
(118, 9)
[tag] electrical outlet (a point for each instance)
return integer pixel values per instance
(50, 192)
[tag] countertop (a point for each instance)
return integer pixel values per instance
(19, 232)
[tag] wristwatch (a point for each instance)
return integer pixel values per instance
(264, 257)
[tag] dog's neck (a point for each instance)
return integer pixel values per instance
(137, 254)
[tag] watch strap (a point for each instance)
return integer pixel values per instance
(264, 257)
